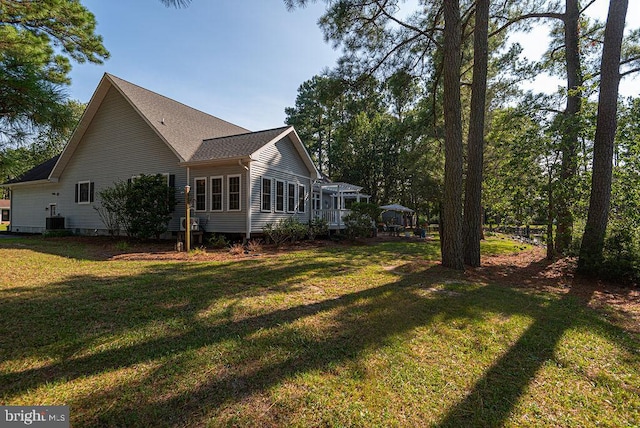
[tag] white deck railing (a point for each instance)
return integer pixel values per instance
(334, 218)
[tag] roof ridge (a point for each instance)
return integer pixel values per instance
(112, 77)
(250, 132)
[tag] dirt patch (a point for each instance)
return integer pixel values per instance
(531, 269)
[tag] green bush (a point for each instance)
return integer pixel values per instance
(286, 229)
(361, 221)
(621, 254)
(149, 206)
(142, 207)
(217, 241)
(318, 227)
(113, 208)
(358, 225)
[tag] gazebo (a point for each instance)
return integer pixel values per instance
(398, 215)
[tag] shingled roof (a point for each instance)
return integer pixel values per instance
(40, 172)
(235, 146)
(194, 136)
(182, 127)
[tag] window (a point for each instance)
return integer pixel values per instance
(216, 193)
(302, 196)
(5, 215)
(200, 193)
(279, 196)
(84, 192)
(291, 197)
(233, 182)
(266, 194)
(317, 205)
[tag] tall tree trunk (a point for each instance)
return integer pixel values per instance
(452, 255)
(550, 210)
(571, 129)
(594, 232)
(472, 228)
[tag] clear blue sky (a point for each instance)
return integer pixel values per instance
(239, 60)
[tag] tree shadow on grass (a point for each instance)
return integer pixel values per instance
(251, 355)
(495, 395)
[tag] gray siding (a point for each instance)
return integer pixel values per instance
(30, 205)
(282, 155)
(117, 145)
(278, 161)
(259, 218)
(224, 221)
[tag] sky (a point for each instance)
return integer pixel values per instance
(239, 60)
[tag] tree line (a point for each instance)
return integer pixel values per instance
(423, 108)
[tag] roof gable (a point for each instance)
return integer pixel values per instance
(235, 146)
(181, 127)
(249, 145)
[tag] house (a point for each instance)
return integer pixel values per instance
(5, 211)
(240, 180)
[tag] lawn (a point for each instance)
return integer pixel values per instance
(363, 335)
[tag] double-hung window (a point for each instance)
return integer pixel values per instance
(266, 195)
(302, 198)
(291, 197)
(200, 187)
(216, 193)
(279, 196)
(84, 192)
(317, 205)
(233, 195)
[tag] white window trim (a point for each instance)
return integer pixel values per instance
(316, 202)
(284, 196)
(88, 201)
(304, 201)
(295, 196)
(195, 193)
(229, 177)
(221, 178)
(271, 194)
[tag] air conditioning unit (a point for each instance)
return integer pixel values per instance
(195, 223)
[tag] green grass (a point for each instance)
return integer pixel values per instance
(339, 336)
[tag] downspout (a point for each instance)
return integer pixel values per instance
(10, 228)
(248, 200)
(310, 196)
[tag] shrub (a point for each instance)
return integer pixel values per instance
(113, 208)
(142, 208)
(621, 254)
(372, 210)
(217, 241)
(237, 249)
(358, 225)
(318, 227)
(360, 222)
(255, 246)
(286, 229)
(149, 205)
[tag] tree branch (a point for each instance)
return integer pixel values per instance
(553, 15)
